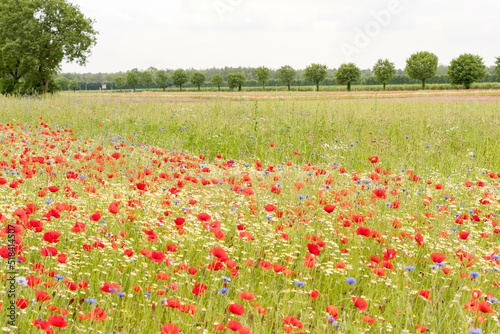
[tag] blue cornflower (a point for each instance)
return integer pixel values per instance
(91, 301)
(332, 321)
(299, 283)
(350, 280)
(59, 276)
(227, 279)
(147, 294)
(493, 300)
(410, 268)
(474, 274)
(269, 217)
(120, 294)
(474, 330)
(224, 290)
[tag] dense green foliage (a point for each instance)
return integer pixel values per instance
(236, 80)
(179, 78)
(132, 79)
(286, 74)
(217, 80)
(422, 66)
(384, 71)
(466, 69)
(315, 73)
(497, 68)
(197, 79)
(147, 79)
(119, 82)
(262, 74)
(346, 74)
(161, 79)
(35, 37)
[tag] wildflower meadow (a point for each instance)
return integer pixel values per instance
(129, 214)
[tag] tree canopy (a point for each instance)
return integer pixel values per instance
(236, 80)
(198, 79)
(35, 37)
(262, 74)
(286, 75)
(132, 79)
(217, 80)
(497, 68)
(161, 79)
(315, 73)
(466, 69)
(146, 79)
(346, 74)
(422, 66)
(384, 71)
(179, 78)
(119, 81)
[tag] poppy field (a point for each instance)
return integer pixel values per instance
(259, 216)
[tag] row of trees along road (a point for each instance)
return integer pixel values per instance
(421, 66)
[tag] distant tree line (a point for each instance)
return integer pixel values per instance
(421, 68)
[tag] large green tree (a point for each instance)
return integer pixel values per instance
(146, 79)
(179, 78)
(422, 66)
(198, 79)
(346, 74)
(119, 82)
(161, 79)
(497, 68)
(236, 80)
(35, 37)
(384, 71)
(132, 80)
(315, 73)
(466, 69)
(262, 74)
(217, 80)
(286, 75)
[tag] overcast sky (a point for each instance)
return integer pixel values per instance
(171, 34)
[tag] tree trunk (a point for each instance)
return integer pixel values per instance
(239, 88)
(199, 88)
(218, 87)
(423, 84)
(348, 86)
(288, 87)
(317, 86)
(384, 86)
(264, 86)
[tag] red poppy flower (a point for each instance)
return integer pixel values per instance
(199, 289)
(170, 329)
(270, 208)
(437, 257)
(373, 159)
(329, 208)
(236, 309)
(313, 249)
(57, 321)
(360, 303)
